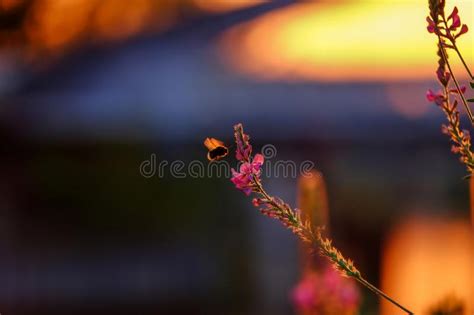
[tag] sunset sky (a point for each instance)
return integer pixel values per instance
(360, 40)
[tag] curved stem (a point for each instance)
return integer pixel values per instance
(455, 47)
(463, 61)
(382, 294)
(356, 276)
(461, 95)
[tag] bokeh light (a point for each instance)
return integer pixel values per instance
(425, 260)
(360, 40)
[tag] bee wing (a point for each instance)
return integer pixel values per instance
(212, 143)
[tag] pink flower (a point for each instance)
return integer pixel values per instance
(455, 91)
(248, 172)
(443, 76)
(456, 19)
(437, 98)
(326, 292)
(256, 202)
(431, 25)
(463, 30)
(305, 294)
(456, 23)
(244, 149)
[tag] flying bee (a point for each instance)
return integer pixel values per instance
(217, 149)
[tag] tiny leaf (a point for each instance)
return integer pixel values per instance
(471, 100)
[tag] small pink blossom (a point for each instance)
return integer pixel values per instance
(454, 15)
(454, 22)
(244, 149)
(437, 97)
(243, 153)
(463, 30)
(443, 76)
(257, 202)
(431, 25)
(305, 294)
(455, 91)
(248, 172)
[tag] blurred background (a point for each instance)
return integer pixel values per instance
(89, 89)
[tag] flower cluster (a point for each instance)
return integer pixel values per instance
(447, 29)
(248, 180)
(248, 171)
(325, 293)
(439, 97)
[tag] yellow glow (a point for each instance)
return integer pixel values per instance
(334, 41)
(424, 260)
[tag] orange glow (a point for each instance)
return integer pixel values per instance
(49, 27)
(55, 26)
(220, 6)
(360, 40)
(425, 260)
(313, 202)
(52, 25)
(10, 4)
(111, 21)
(471, 196)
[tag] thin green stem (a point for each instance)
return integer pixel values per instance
(458, 88)
(463, 61)
(356, 276)
(455, 47)
(382, 294)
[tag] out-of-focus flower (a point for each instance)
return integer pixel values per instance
(326, 293)
(449, 305)
(305, 294)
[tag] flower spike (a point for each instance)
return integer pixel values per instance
(248, 179)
